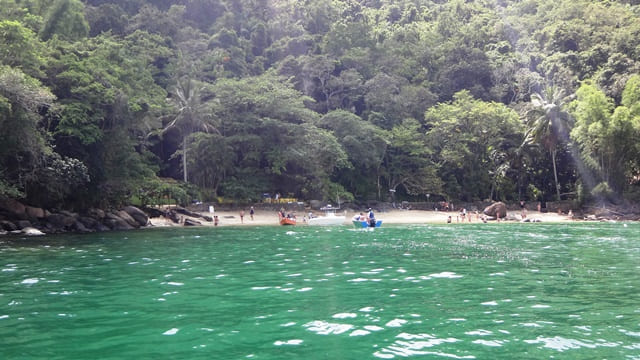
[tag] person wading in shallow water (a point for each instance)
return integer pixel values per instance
(523, 209)
(372, 218)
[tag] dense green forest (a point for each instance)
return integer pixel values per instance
(104, 101)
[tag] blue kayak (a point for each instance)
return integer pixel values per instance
(365, 224)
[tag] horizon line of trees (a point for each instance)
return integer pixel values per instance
(105, 101)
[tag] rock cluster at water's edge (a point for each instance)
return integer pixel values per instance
(17, 218)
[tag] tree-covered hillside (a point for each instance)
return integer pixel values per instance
(102, 101)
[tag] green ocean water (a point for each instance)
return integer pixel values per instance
(478, 291)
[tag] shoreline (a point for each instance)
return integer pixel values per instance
(263, 217)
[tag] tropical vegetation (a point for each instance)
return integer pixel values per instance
(102, 101)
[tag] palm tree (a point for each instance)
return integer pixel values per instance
(548, 123)
(191, 115)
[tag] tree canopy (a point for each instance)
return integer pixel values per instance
(102, 101)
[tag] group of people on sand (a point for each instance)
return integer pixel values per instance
(464, 216)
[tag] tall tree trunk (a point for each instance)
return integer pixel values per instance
(184, 157)
(555, 173)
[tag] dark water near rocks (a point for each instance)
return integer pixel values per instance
(481, 291)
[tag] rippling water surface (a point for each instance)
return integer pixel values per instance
(485, 291)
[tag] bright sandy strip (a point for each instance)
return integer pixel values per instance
(261, 217)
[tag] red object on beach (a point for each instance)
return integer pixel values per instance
(287, 221)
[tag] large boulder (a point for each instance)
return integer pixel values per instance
(191, 222)
(96, 213)
(14, 207)
(154, 212)
(115, 222)
(126, 217)
(138, 215)
(496, 210)
(35, 212)
(88, 222)
(60, 221)
(68, 213)
(173, 216)
(7, 225)
(24, 224)
(79, 226)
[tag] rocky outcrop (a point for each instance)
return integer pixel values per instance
(496, 210)
(13, 208)
(115, 222)
(183, 211)
(191, 222)
(138, 215)
(35, 212)
(17, 218)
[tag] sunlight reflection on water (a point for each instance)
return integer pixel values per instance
(437, 291)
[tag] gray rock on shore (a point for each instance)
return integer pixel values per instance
(17, 218)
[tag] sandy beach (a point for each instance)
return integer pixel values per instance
(261, 217)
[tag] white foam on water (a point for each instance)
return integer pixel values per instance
(30, 281)
(561, 344)
(479, 332)
(492, 343)
(446, 274)
(540, 306)
(171, 331)
(396, 323)
(288, 342)
(345, 316)
(326, 328)
(359, 333)
(373, 328)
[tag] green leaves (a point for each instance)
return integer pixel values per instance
(77, 120)
(468, 137)
(65, 19)
(607, 138)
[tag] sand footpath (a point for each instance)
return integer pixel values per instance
(261, 217)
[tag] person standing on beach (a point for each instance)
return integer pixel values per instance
(251, 212)
(241, 216)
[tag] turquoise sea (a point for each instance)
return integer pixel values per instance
(478, 291)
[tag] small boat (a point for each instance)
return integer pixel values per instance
(330, 217)
(363, 224)
(287, 221)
